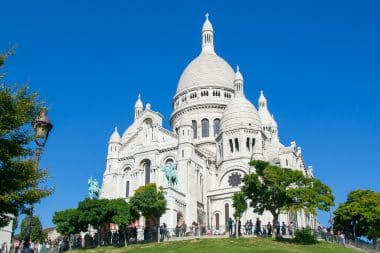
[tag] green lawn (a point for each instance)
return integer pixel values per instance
(225, 245)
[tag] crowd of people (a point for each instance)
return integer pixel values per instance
(180, 230)
(258, 229)
(47, 246)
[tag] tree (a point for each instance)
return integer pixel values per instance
(360, 214)
(122, 215)
(67, 222)
(36, 232)
(240, 206)
(19, 177)
(150, 202)
(94, 212)
(279, 189)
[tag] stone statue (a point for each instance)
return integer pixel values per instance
(170, 172)
(93, 188)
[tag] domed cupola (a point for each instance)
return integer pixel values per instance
(265, 116)
(208, 69)
(240, 113)
(115, 137)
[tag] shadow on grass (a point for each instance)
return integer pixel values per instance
(296, 241)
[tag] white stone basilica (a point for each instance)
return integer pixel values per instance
(215, 132)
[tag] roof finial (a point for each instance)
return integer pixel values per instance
(115, 129)
(238, 75)
(207, 15)
(261, 92)
(138, 103)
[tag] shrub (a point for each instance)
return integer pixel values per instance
(305, 236)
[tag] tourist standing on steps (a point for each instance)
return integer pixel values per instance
(277, 227)
(283, 228)
(269, 229)
(230, 224)
(258, 227)
(162, 232)
(290, 228)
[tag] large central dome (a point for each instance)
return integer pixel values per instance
(207, 69)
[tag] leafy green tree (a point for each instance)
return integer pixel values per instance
(360, 214)
(122, 215)
(67, 223)
(279, 189)
(240, 206)
(36, 232)
(94, 212)
(150, 202)
(19, 177)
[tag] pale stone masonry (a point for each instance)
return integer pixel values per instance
(215, 132)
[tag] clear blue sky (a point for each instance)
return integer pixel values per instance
(317, 61)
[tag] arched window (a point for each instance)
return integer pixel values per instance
(248, 144)
(127, 189)
(127, 170)
(205, 128)
(217, 221)
(169, 162)
(148, 123)
(231, 145)
(226, 213)
(146, 167)
(237, 144)
(216, 126)
(195, 129)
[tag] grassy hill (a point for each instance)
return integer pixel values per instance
(225, 245)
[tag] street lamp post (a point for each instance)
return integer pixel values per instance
(42, 127)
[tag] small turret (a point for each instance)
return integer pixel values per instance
(138, 107)
(207, 37)
(238, 83)
(114, 145)
(115, 137)
(267, 120)
(185, 138)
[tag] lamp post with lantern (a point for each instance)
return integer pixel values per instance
(42, 127)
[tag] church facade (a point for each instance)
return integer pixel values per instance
(215, 132)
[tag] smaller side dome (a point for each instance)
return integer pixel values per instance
(265, 116)
(240, 113)
(115, 137)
